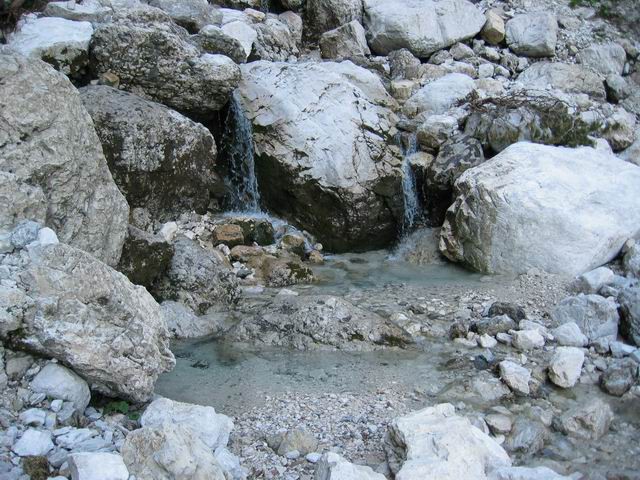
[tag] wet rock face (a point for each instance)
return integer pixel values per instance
(160, 64)
(145, 257)
(160, 160)
(325, 130)
(52, 168)
(496, 197)
(69, 306)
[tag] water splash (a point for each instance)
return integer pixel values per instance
(412, 207)
(241, 180)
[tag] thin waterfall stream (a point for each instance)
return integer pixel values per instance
(412, 205)
(241, 180)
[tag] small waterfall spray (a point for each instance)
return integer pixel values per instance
(264, 6)
(412, 207)
(241, 180)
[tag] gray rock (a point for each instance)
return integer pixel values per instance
(515, 376)
(169, 452)
(190, 14)
(619, 377)
(274, 42)
(56, 285)
(566, 366)
(142, 141)
(494, 30)
(97, 466)
(88, 11)
(494, 325)
(630, 309)
(533, 34)
(33, 443)
(422, 27)
(589, 421)
(569, 335)
(596, 316)
(332, 466)
(437, 443)
(491, 225)
(404, 65)
(593, 281)
(58, 382)
(566, 77)
(24, 233)
(179, 77)
(62, 43)
(317, 322)
(527, 339)
(526, 436)
(183, 323)
(347, 41)
(436, 130)
(212, 39)
(145, 257)
(607, 58)
(54, 160)
(513, 311)
(197, 277)
(619, 129)
(350, 198)
(454, 158)
(439, 96)
(211, 428)
(323, 15)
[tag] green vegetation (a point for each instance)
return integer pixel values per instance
(121, 406)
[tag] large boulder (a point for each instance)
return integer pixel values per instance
(169, 452)
(159, 63)
(145, 257)
(160, 160)
(197, 277)
(533, 34)
(324, 15)
(324, 130)
(317, 322)
(440, 95)
(422, 26)
(211, 428)
(437, 444)
(274, 41)
(347, 41)
(62, 43)
(51, 157)
(562, 210)
(569, 78)
(604, 58)
(536, 116)
(67, 305)
(597, 317)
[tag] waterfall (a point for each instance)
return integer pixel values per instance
(412, 207)
(241, 181)
(264, 6)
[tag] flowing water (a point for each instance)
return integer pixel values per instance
(412, 207)
(241, 180)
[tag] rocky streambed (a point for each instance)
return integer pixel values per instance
(319, 239)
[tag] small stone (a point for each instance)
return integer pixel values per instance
(487, 341)
(97, 466)
(33, 443)
(527, 339)
(59, 382)
(566, 366)
(618, 378)
(34, 417)
(493, 31)
(313, 457)
(499, 423)
(569, 335)
(515, 376)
